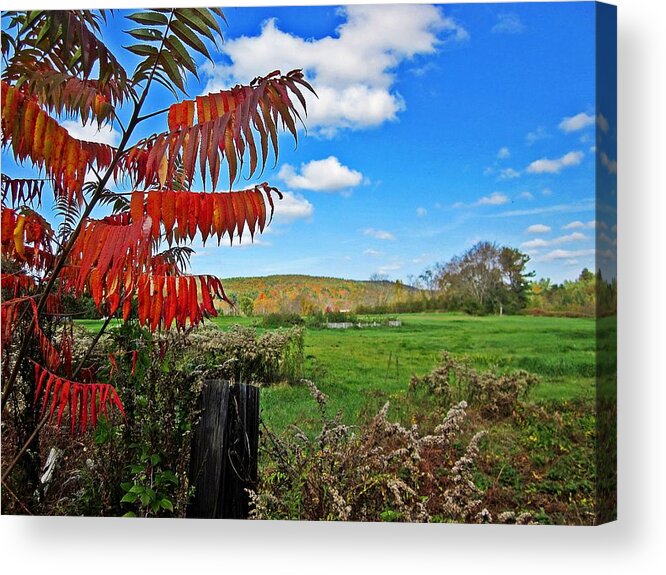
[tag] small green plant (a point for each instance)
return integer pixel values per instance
(151, 489)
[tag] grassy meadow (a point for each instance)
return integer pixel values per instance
(541, 459)
(361, 369)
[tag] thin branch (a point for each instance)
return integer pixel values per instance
(25, 447)
(23, 506)
(92, 346)
(152, 114)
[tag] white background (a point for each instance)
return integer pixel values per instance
(634, 544)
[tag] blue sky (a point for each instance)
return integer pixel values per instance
(436, 127)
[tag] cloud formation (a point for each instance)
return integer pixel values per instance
(292, 207)
(538, 229)
(575, 123)
(90, 133)
(566, 254)
(494, 199)
(539, 134)
(378, 234)
(420, 212)
(578, 225)
(508, 174)
(508, 23)
(353, 70)
(548, 166)
(503, 153)
(326, 175)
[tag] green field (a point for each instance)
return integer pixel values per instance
(360, 369)
(540, 459)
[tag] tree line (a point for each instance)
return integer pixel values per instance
(492, 279)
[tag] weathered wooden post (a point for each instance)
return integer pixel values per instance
(223, 461)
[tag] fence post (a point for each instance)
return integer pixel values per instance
(223, 461)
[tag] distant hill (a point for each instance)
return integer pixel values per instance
(306, 294)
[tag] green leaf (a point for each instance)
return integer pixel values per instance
(130, 514)
(129, 498)
(149, 18)
(171, 69)
(166, 504)
(137, 489)
(126, 486)
(180, 54)
(192, 20)
(154, 459)
(142, 49)
(209, 19)
(149, 34)
(190, 38)
(169, 476)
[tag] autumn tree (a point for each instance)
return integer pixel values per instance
(133, 262)
(487, 278)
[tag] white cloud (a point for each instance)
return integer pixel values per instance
(547, 192)
(535, 243)
(602, 123)
(574, 237)
(508, 174)
(610, 165)
(353, 70)
(578, 225)
(420, 212)
(246, 243)
(548, 166)
(526, 196)
(321, 176)
(378, 234)
(292, 207)
(585, 205)
(90, 133)
(575, 123)
(494, 199)
(566, 254)
(508, 23)
(541, 243)
(373, 253)
(503, 153)
(385, 269)
(539, 134)
(538, 229)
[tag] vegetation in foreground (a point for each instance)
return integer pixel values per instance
(537, 454)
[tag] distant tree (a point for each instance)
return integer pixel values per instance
(486, 278)
(247, 306)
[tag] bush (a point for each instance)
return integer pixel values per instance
(340, 317)
(494, 395)
(273, 320)
(240, 355)
(381, 472)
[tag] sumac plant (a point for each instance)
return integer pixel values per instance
(56, 66)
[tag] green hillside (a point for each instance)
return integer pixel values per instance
(306, 294)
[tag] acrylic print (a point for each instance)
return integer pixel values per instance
(340, 263)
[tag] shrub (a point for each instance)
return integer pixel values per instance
(380, 472)
(239, 354)
(340, 316)
(273, 320)
(494, 395)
